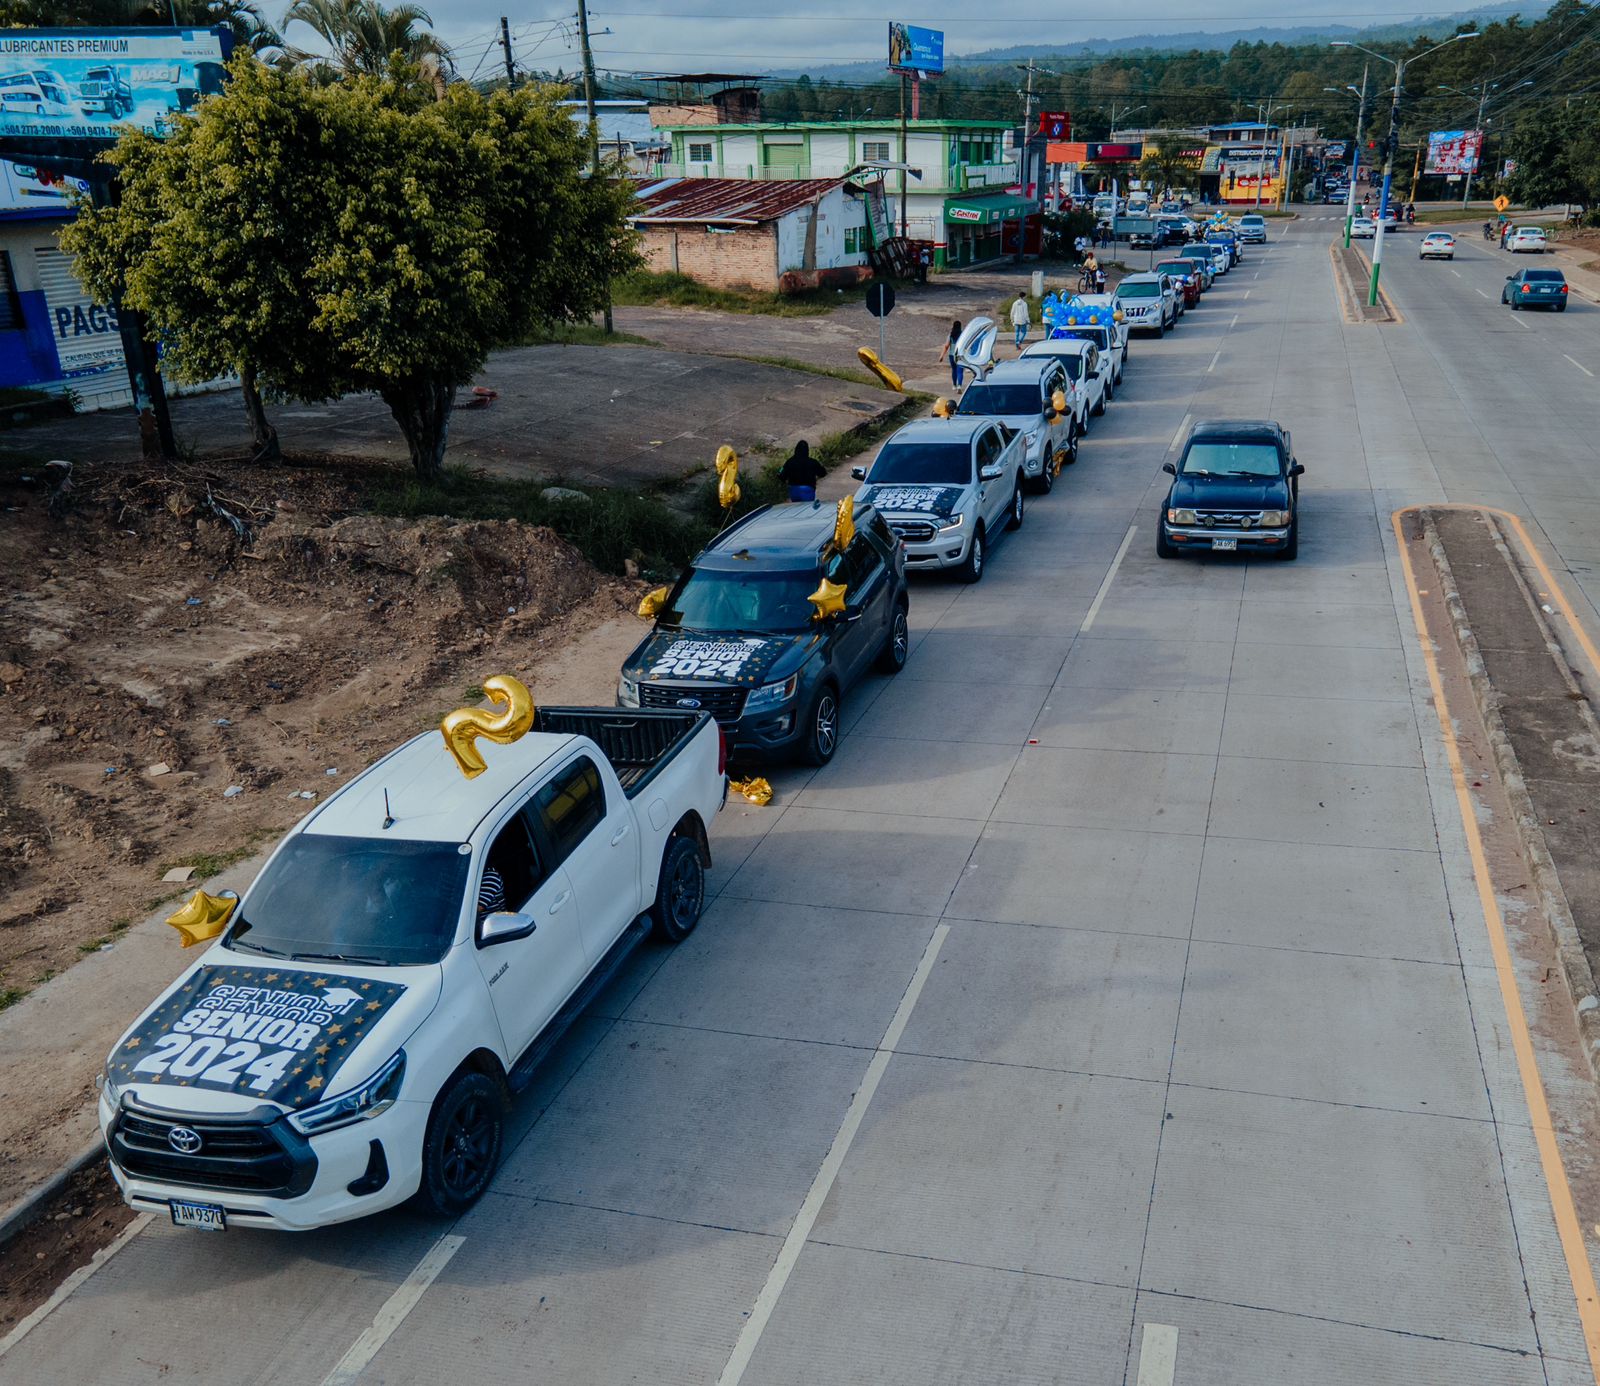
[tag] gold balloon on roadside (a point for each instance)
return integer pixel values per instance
(651, 603)
(755, 789)
(869, 358)
(203, 917)
(727, 477)
(828, 600)
(465, 725)
(844, 523)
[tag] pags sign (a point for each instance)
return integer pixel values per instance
(71, 84)
(915, 50)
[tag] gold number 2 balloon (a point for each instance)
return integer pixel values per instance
(727, 477)
(465, 725)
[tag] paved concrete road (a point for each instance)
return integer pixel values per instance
(1116, 1008)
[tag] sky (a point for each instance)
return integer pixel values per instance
(755, 35)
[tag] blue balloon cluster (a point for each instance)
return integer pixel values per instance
(1061, 315)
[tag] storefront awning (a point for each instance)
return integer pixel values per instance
(986, 211)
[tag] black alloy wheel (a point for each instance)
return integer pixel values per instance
(822, 737)
(1014, 521)
(897, 648)
(462, 1144)
(680, 891)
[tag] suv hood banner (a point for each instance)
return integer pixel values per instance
(261, 1032)
(738, 659)
(914, 500)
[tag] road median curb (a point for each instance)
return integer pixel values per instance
(26, 1210)
(1354, 272)
(1541, 865)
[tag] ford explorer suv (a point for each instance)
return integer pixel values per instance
(1021, 394)
(947, 487)
(1088, 373)
(1235, 489)
(1148, 302)
(1186, 275)
(407, 956)
(1228, 239)
(739, 635)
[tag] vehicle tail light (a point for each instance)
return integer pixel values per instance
(1563, 288)
(722, 750)
(1527, 288)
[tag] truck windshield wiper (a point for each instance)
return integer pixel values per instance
(338, 957)
(256, 948)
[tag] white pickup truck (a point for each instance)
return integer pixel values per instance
(406, 957)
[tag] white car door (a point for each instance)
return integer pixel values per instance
(529, 943)
(590, 834)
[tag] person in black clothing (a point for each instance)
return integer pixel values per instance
(801, 473)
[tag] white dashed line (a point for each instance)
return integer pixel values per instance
(1100, 596)
(394, 1311)
(1234, 323)
(1158, 1355)
(1524, 326)
(1247, 293)
(1178, 436)
(1581, 366)
(1213, 364)
(1456, 272)
(1480, 293)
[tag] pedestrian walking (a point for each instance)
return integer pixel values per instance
(924, 263)
(949, 349)
(801, 472)
(1021, 321)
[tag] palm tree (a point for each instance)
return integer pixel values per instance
(363, 35)
(1166, 166)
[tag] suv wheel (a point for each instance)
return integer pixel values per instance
(462, 1145)
(822, 727)
(897, 647)
(1045, 482)
(1100, 407)
(1014, 520)
(972, 569)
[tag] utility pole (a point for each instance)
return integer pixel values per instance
(1483, 97)
(1355, 158)
(905, 158)
(1266, 124)
(505, 43)
(594, 127)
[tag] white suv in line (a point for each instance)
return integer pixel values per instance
(1088, 372)
(1021, 394)
(1149, 302)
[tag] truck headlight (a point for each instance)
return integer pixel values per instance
(951, 522)
(371, 1099)
(1180, 517)
(771, 695)
(109, 1088)
(1274, 518)
(627, 692)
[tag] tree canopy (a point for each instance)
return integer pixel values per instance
(356, 236)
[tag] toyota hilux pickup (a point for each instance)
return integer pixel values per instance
(1235, 489)
(1022, 394)
(947, 487)
(406, 957)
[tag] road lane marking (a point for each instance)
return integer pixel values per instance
(1158, 1355)
(1581, 366)
(1519, 322)
(1562, 1207)
(1100, 596)
(1178, 436)
(1234, 323)
(1213, 364)
(394, 1311)
(1456, 272)
(822, 1185)
(1246, 295)
(1479, 292)
(64, 1290)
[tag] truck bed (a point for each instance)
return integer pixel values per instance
(637, 741)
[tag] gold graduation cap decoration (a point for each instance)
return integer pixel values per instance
(465, 725)
(755, 789)
(203, 917)
(727, 477)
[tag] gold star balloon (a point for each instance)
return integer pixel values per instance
(828, 600)
(465, 725)
(651, 603)
(203, 917)
(944, 409)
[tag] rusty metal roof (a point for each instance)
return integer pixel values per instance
(735, 201)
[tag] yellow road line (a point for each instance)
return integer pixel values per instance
(1555, 1172)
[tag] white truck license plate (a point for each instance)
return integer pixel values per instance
(206, 1216)
(1224, 545)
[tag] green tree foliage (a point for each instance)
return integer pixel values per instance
(328, 239)
(1168, 167)
(363, 35)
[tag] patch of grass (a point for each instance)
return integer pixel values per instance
(94, 945)
(788, 363)
(473, 694)
(209, 864)
(583, 334)
(9, 996)
(664, 289)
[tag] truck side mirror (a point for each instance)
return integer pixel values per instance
(504, 926)
(993, 473)
(1297, 470)
(859, 473)
(1169, 469)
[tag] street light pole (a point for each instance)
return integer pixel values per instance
(1261, 168)
(1483, 97)
(1355, 161)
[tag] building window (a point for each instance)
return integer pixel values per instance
(855, 240)
(10, 308)
(700, 153)
(875, 151)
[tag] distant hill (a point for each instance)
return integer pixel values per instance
(1439, 26)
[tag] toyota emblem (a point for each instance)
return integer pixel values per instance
(184, 1139)
(688, 702)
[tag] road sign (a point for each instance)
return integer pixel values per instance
(880, 299)
(1501, 203)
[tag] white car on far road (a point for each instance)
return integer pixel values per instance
(1530, 238)
(1437, 245)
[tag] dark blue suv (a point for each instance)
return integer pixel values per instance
(1236, 489)
(739, 636)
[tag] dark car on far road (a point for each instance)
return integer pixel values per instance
(738, 636)
(1235, 489)
(1535, 288)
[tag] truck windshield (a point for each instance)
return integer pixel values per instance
(923, 464)
(356, 900)
(991, 400)
(742, 603)
(1231, 459)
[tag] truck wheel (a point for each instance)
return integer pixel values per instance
(1014, 519)
(897, 648)
(1163, 548)
(1045, 482)
(1111, 392)
(680, 892)
(972, 569)
(462, 1144)
(822, 734)
(1291, 549)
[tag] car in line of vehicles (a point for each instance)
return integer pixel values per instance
(1437, 245)
(1148, 302)
(1110, 336)
(1030, 396)
(1235, 489)
(1204, 258)
(1536, 288)
(1186, 276)
(739, 636)
(409, 953)
(1526, 240)
(1252, 228)
(1226, 238)
(1088, 371)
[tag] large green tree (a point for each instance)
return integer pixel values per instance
(327, 239)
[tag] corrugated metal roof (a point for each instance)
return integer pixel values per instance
(728, 199)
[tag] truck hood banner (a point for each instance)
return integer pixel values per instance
(266, 1033)
(914, 500)
(738, 659)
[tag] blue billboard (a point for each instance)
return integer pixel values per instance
(83, 83)
(915, 50)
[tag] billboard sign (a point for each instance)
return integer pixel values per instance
(1055, 125)
(1454, 151)
(915, 50)
(83, 83)
(31, 190)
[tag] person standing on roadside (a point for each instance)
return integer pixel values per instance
(949, 349)
(1021, 321)
(801, 472)
(1505, 230)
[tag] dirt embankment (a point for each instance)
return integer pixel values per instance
(186, 655)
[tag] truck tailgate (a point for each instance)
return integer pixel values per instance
(637, 741)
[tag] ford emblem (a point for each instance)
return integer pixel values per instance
(688, 702)
(184, 1139)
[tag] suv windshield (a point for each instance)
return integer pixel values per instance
(357, 900)
(1146, 290)
(730, 603)
(1001, 399)
(922, 464)
(1231, 459)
